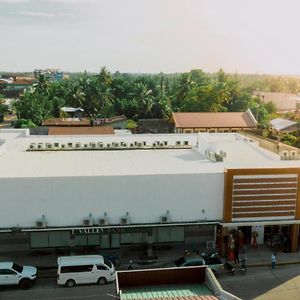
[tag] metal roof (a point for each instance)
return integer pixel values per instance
(214, 119)
(281, 124)
(178, 292)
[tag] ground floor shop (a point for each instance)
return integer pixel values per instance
(280, 236)
(113, 237)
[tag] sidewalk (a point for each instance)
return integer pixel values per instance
(47, 259)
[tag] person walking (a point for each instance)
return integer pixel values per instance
(236, 254)
(273, 260)
(130, 266)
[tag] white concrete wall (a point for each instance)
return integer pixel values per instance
(66, 201)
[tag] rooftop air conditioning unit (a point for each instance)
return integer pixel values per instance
(284, 155)
(92, 145)
(140, 145)
(293, 153)
(165, 218)
(116, 145)
(63, 146)
(41, 223)
(125, 220)
(186, 143)
(56, 145)
(77, 145)
(178, 143)
(144, 143)
(166, 143)
(222, 153)
(70, 145)
(124, 145)
(131, 145)
(85, 146)
(32, 146)
(161, 144)
(100, 145)
(40, 146)
(103, 220)
(154, 144)
(212, 156)
(88, 221)
(108, 145)
(49, 145)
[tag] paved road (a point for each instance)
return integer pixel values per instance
(46, 289)
(261, 283)
(258, 283)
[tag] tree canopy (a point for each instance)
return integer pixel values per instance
(138, 96)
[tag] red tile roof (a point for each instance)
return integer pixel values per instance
(213, 119)
(98, 130)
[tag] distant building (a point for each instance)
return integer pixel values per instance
(193, 122)
(117, 122)
(12, 89)
(95, 130)
(283, 125)
(155, 126)
(284, 101)
(50, 74)
(72, 122)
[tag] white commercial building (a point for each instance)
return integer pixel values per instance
(110, 191)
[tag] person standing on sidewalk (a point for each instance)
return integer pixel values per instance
(273, 260)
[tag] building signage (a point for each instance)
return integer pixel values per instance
(98, 230)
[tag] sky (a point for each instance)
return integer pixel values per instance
(151, 36)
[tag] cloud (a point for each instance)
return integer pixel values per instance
(35, 14)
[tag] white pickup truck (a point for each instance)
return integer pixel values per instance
(14, 274)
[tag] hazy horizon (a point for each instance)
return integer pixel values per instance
(143, 36)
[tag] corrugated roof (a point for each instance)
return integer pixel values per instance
(100, 121)
(66, 122)
(213, 120)
(281, 124)
(71, 109)
(174, 292)
(80, 130)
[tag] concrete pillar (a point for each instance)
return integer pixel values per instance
(294, 237)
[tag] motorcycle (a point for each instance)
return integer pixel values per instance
(212, 254)
(113, 259)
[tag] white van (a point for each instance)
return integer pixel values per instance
(82, 269)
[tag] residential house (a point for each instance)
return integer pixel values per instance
(191, 122)
(284, 101)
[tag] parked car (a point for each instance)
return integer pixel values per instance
(14, 274)
(214, 263)
(83, 269)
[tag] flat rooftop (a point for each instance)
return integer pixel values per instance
(16, 162)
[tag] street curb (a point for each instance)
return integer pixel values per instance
(263, 264)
